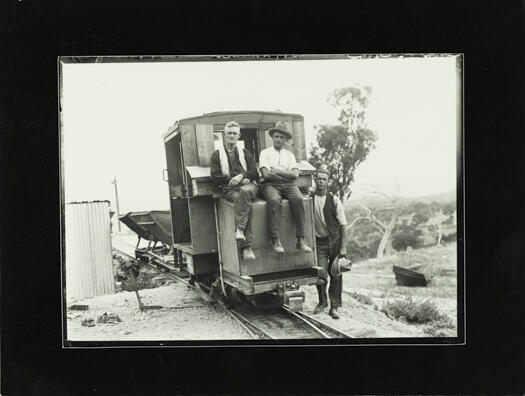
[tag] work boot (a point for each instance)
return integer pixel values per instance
(320, 308)
(334, 312)
(239, 235)
(276, 245)
(302, 246)
(248, 254)
(323, 300)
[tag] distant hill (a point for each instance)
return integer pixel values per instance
(374, 200)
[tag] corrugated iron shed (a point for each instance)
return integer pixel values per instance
(89, 258)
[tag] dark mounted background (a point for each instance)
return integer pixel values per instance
(490, 34)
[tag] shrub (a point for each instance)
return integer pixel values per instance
(361, 298)
(413, 311)
(143, 277)
(442, 328)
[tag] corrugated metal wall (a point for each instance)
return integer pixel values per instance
(89, 258)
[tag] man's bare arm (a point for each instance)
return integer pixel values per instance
(271, 176)
(288, 175)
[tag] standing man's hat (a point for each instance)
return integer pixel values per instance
(339, 266)
(282, 127)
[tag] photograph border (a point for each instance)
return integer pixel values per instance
(459, 340)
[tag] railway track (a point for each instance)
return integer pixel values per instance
(275, 324)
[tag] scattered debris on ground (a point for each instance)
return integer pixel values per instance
(108, 318)
(370, 293)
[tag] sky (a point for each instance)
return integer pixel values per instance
(114, 116)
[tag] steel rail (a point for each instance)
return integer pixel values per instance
(256, 330)
(318, 326)
(251, 328)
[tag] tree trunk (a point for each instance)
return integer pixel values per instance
(385, 240)
(389, 249)
(440, 235)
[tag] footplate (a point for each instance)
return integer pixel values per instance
(294, 300)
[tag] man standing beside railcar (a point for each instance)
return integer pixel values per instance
(235, 172)
(330, 237)
(279, 172)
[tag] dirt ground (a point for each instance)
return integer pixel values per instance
(187, 317)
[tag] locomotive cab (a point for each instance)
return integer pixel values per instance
(203, 221)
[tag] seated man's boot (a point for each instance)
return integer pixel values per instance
(239, 235)
(302, 246)
(323, 300)
(276, 245)
(334, 312)
(248, 254)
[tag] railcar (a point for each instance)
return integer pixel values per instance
(202, 221)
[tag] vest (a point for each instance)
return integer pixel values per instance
(330, 217)
(223, 158)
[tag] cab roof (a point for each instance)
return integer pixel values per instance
(254, 112)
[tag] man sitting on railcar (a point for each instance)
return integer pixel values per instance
(279, 172)
(234, 171)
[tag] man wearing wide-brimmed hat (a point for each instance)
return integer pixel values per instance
(279, 180)
(330, 237)
(234, 170)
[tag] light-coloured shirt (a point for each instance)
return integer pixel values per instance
(282, 159)
(321, 230)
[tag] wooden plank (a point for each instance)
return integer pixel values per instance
(175, 191)
(202, 222)
(189, 145)
(244, 284)
(299, 140)
(269, 261)
(261, 136)
(228, 244)
(267, 139)
(251, 125)
(173, 163)
(205, 147)
(290, 144)
(304, 181)
(180, 222)
(251, 117)
(184, 247)
(203, 188)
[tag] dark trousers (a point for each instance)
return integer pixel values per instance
(273, 194)
(243, 197)
(327, 250)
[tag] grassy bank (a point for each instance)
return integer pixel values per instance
(434, 306)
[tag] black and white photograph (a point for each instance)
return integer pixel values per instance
(292, 199)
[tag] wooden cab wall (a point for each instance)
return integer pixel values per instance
(189, 144)
(267, 261)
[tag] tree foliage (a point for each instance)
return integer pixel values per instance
(364, 238)
(341, 148)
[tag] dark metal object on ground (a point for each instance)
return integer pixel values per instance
(79, 307)
(88, 323)
(415, 275)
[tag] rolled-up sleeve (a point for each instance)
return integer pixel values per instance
(264, 161)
